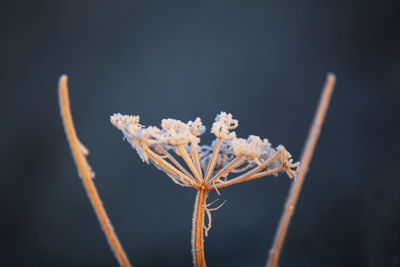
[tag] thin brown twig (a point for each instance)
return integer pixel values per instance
(295, 189)
(79, 153)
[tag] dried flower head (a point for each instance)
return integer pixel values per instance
(209, 165)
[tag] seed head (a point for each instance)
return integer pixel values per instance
(227, 154)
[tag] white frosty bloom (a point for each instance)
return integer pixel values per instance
(253, 147)
(138, 136)
(223, 123)
(120, 121)
(196, 127)
(178, 133)
(250, 158)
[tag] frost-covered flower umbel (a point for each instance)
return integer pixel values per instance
(209, 166)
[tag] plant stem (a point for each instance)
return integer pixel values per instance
(175, 162)
(198, 228)
(225, 170)
(247, 178)
(183, 153)
(196, 160)
(211, 164)
(167, 165)
(295, 189)
(85, 172)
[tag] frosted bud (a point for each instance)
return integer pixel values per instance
(120, 121)
(172, 124)
(196, 127)
(253, 147)
(223, 123)
(178, 133)
(287, 162)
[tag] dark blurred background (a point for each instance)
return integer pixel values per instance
(263, 61)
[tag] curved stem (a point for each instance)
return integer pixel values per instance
(85, 172)
(295, 189)
(198, 228)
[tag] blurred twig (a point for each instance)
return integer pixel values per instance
(79, 153)
(305, 162)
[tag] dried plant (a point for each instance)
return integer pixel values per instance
(208, 167)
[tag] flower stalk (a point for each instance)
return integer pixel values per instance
(198, 228)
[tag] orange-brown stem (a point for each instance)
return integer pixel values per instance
(306, 157)
(198, 228)
(79, 152)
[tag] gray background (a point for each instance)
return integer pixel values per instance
(263, 61)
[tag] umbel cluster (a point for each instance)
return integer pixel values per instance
(208, 165)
